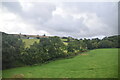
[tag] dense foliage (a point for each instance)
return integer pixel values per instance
(52, 48)
(47, 49)
(11, 49)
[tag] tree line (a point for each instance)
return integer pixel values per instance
(14, 54)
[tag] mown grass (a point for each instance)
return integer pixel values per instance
(99, 63)
(29, 42)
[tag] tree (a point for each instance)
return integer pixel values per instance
(105, 44)
(74, 46)
(11, 48)
(83, 45)
(44, 35)
(88, 43)
(47, 49)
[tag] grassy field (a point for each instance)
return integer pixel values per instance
(64, 39)
(99, 63)
(29, 42)
(64, 42)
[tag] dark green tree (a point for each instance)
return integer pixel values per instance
(11, 49)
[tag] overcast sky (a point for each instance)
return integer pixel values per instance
(76, 19)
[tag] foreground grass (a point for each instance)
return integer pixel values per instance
(29, 42)
(99, 63)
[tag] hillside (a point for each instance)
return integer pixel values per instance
(29, 42)
(98, 63)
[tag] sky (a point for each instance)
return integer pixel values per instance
(75, 19)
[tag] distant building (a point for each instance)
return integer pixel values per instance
(22, 36)
(32, 38)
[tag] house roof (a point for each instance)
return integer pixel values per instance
(31, 35)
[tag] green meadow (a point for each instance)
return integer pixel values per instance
(29, 42)
(97, 63)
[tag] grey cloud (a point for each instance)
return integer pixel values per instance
(67, 25)
(41, 12)
(106, 11)
(40, 15)
(14, 7)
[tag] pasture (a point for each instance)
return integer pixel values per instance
(29, 42)
(64, 39)
(98, 63)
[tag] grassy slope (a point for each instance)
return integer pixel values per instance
(64, 39)
(99, 63)
(29, 42)
(64, 42)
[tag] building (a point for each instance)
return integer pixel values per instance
(23, 36)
